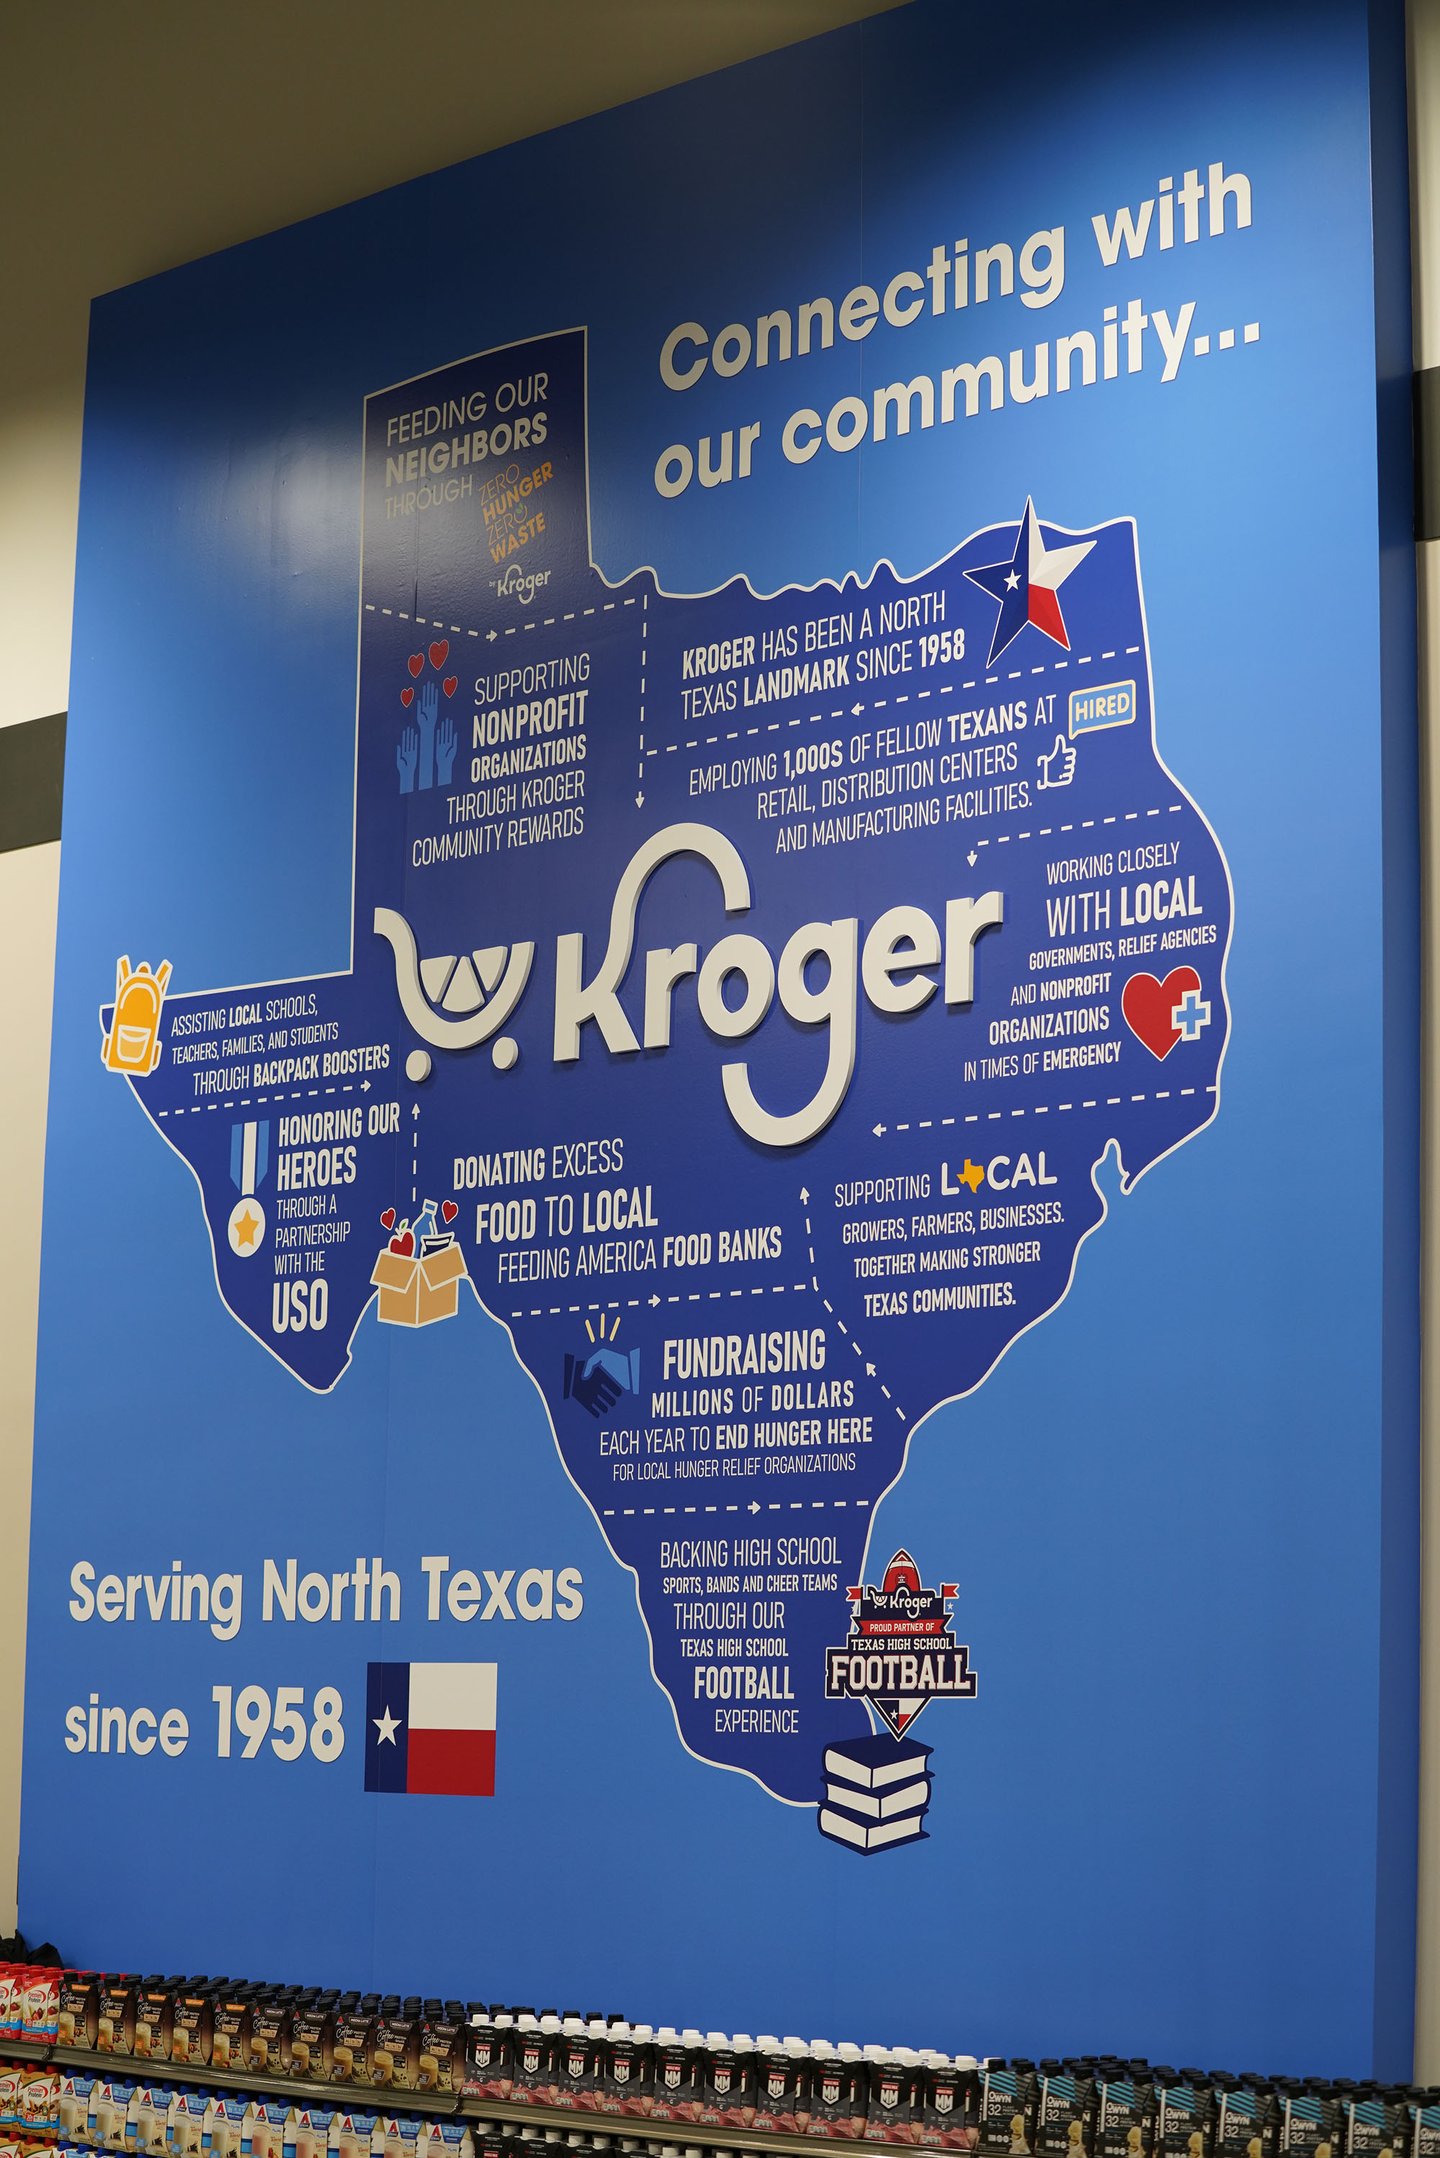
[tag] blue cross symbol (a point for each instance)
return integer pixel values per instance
(1191, 1015)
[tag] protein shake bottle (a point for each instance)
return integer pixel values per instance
(1125, 2114)
(948, 2108)
(1184, 2114)
(679, 2075)
(1065, 2115)
(776, 2074)
(530, 2045)
(626, 2089)
(1009, 2096)
(487, 2068)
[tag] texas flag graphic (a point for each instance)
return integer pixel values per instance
(1027, 585)
(430, 1729)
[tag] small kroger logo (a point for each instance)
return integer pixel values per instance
(520, 584)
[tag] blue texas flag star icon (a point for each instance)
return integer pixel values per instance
(1027, 585)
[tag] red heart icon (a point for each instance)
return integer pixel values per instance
(387, 1219)
(450, 684)
(1149, 1008)
(415, 662)
(448, 1210)
(404, 1246)
(440, 652)
(407, 696)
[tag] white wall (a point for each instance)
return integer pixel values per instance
(136, 137)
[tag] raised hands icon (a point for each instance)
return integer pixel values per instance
(428, 705)
(446, 742)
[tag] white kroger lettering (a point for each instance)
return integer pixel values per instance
(897, 968)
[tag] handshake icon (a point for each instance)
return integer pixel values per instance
(598, 1381)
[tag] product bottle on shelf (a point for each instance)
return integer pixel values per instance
(190, 2024)
(527, 2048)
(775, 2074)
(350, 2048)
(75, 2017)
(624, 2088)
(718, 2084)
(312, 2034)
(675, 2091)
(1009, 2099)
(1184, 2114)
(74, 2106)
(230, 2031)
(489, 2070)
(946, 2112)
(115, 2015)
(1065, 2112)
(829, 2096)
(1125, 2114)
(570, 2059)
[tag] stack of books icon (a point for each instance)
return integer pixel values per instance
(876, 1792)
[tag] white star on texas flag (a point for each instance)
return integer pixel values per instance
(1026, 585)
(387, 1725)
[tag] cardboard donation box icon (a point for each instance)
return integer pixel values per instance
(416, 1289)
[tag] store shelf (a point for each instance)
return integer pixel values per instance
(446, 2105)
(682, 2133)
(362, 2097)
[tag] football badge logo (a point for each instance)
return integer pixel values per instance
(900, 1653)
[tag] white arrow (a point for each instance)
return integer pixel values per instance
(879, 1131)
(754, 1507)
(870, 1371)
(654, 1301)
(970, 857)
(804, 1196)
(364, 1086)
(492, 635)
(415, 1112)
(639, 801)
(856, 710)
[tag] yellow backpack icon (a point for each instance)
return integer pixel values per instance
(133, 1042)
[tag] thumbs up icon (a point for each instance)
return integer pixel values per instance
(1057, 766)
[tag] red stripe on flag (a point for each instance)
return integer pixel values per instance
(451, 1764)
(1045, 614)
